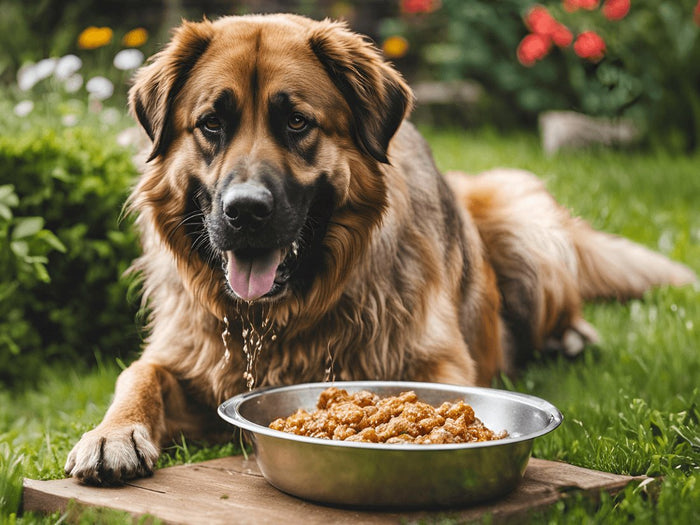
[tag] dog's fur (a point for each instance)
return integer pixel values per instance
(379, 262)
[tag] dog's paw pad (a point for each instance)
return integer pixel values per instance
(110, 456)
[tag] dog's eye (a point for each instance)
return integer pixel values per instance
(297, 122)
(211, 124)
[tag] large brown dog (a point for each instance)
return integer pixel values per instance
(287, 199)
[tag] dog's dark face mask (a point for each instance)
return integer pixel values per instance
(268, 229)
(263, 125)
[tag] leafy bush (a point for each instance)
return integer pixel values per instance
(648, 67)
(23, 259)
(649, 70)
(478, 40)
(64, 248)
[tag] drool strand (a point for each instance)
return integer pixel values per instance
(254, 335)
(330, 366)
(224, 337)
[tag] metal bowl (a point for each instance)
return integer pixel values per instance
(393, 475)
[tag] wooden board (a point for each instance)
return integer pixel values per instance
(232, 490)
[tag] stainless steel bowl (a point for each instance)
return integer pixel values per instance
(393, 475)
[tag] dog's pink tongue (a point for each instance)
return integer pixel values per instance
(252, 277)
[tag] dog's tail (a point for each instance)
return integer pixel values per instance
(515, 205)
(612, 267)
(547, 261)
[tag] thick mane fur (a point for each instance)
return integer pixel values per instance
(366, 262)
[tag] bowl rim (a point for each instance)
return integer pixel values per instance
(229, 411)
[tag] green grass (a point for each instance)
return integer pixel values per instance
(631, 404)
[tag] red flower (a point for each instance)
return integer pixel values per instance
(532, 48)
(696, 14)
(616, 9)
(415, 7)
(561, 35)
(589, 45)
(540, 21)
(575, 5)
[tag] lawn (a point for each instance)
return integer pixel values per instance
(631, 404)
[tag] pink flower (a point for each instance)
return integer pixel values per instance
(589, 45)
(532, 48)
(616, 9)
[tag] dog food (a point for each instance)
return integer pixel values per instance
(364, 416)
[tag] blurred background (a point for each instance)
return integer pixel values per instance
(471, 61)
(627, 71)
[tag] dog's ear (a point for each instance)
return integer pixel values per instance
(378, 96)
(156, 84)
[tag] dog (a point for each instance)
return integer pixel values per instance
(289, 205)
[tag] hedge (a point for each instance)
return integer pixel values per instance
(65, 248)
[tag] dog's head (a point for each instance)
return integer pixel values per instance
(267, 135)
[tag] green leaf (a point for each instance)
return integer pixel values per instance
(8, 200)
(6, 340)
(20, 249)
(27, 226)
(53, 241)
(8, 195)
(41, 273)
(5, 212)
(7, 289)
(60, 173)
(36, 259)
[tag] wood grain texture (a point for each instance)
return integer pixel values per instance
(232, 490)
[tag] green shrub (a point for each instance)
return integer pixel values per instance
(64, 249)
(23, 258)
(477, 40)
(650, 70)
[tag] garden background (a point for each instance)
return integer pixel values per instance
(70, 317)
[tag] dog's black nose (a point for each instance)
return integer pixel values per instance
(247, 206)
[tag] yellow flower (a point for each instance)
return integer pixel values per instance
(135, 38)
(395, 46)
(93, 37)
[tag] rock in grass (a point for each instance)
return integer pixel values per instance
(568, 129)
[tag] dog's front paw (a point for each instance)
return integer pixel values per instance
(111, 455)
(574, 339)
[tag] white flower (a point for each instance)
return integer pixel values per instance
(69, 120)
(110, 116)
(73, 83)
(45, 67)
(125, 138)
(133, 136)
(27, 77)
(67, 66)
(24, 108)
(100, 88)
(128, 59)
(29, 74)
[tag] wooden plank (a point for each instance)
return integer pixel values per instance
(232, 490)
